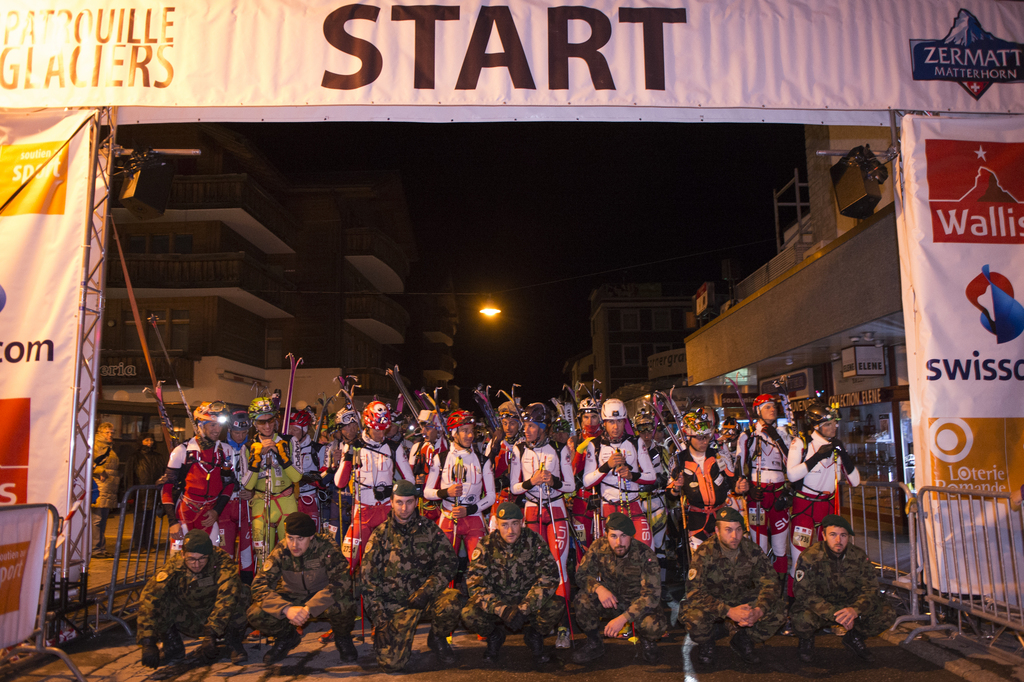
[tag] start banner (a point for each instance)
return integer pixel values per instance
(962, 257)
(44, 181)
(24, 541)
(550, 58)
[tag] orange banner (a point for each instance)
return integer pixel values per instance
(41, 193)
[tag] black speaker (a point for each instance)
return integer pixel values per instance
(856, 193)
(147, 189)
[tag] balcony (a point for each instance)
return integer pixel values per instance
(236, 277)
(377, 258)
(235, 200)
(377, 316)
(438, 366)
(128, 368)
(439, 327)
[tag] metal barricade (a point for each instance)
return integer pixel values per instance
(147, 551)
(972, 548)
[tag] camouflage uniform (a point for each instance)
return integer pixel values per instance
(318, 580)
(403, 563)
(634, 579)
(716, 583)
(825, 584)
(177, 598)
(500, 575)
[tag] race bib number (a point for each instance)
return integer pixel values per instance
(756, 516)
(801, 537)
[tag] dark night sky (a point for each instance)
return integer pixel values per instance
(504, 206)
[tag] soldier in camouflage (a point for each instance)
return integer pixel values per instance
(512, 579)
(731, 579)
(304, 578)
(836, 584)
(198, 592)
(406, 565)
(620, 580)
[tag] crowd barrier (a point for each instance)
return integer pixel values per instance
(146, 551)
(971, 553)
(15, 560)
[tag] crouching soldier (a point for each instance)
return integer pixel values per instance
(406, 566)
(198, 592)
(620, 580)
(731, 579)
(304, 578)
(512, 579)
(836, 584)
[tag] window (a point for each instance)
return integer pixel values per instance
(174, 335)
(131, 334)
(183, 243)
(661, 348)
(160, 243)
(179, 330)
(137, 243)
(630, 320)
(662, 319)
(631, 355)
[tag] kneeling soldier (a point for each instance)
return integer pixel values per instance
(619, 579)
(197, 592)
(836, 584)
(406, 565)
(512, 578)
(731, 579)
(304, 578)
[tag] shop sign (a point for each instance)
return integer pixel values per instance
(870, 396)
(861, 361)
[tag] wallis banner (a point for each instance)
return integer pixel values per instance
(44, 171)
(961, 239)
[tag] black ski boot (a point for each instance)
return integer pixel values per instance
(494, 642)
(535, 643)
(285, 642)
(592, 650)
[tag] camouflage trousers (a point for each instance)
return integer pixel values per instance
(394, 627)
(156, 618)
(543, 619)
(651, 625)
(341, 616)
(878, 617)
(700, 624)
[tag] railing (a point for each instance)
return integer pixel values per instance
(206, 271)
(787, 258)
(128, 368)
(378, 307)
(232, 191)
(365, 241)
(147, 550)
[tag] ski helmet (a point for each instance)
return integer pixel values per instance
(644, 418)
(818, 413)
(612, 409)
(301, 418)
(261, 408)
(729, 427)
(215, 411)
(376, 416)
(240, 421)
(589, 406)
(459, 418)
(561, 424)
(341, 418)
(761, 400)
(697, 424)
(538, 413)
(507, 410)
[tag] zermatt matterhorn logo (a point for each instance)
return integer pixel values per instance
(968, 55)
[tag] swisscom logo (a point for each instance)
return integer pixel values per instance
(3, 298)
(968, 55)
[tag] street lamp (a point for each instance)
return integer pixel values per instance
(490, 308)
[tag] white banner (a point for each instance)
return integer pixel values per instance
(42, 230)
(961, 240)
(23, 545)
(545, 57)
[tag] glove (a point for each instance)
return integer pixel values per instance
(513, 617)
(208, 649)
(418, 600)
(823, 453)
(756, 493)
(783, 500)
(844, 456)
(150, 654)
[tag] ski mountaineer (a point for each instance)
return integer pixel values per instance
(585, 502)
(463, 482)
(652, 497)
(618, 468)
(373, 466)
(542, 474)
(700, 481)
(816, 465)
(200, 469)
(238, 513)
(343, 429)
(728, 458)
(271, 476)
(763, 454)
(306, 456)
(499, 452)
(420, 456)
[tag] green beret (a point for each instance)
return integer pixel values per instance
(509, 511)
(620, 522)
(405, 489)
(197, 542)
(835, 520)
(728, 514)
(298, 523)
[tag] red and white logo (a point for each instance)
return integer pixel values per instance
(15, 417)
(975, 191)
